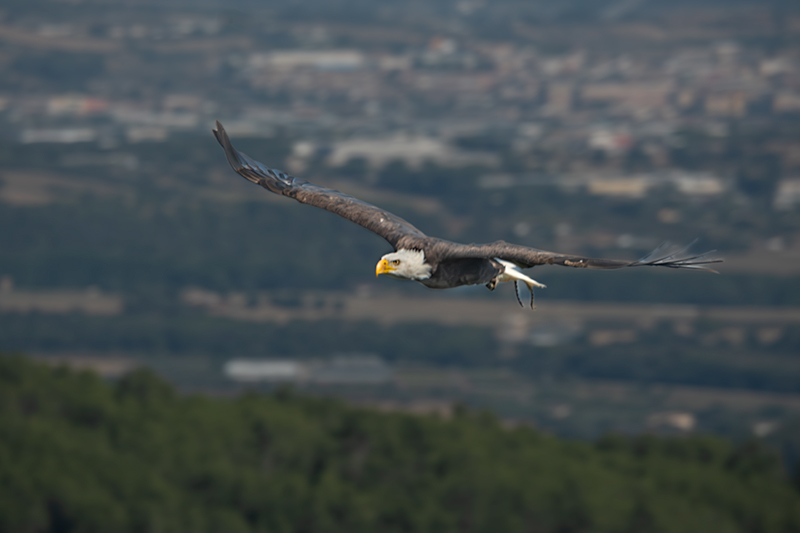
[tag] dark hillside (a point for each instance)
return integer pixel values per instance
(79, 454)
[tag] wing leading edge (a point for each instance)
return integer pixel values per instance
(389, 226)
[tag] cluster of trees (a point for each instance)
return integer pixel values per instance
(221, 339)
(80, 454)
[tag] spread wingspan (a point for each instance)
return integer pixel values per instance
(402, 235)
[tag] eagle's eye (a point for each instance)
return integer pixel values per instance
(396, 262)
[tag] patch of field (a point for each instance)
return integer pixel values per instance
(782, 263)
(737, 400)
(40, 188)
(89, 301)
(21, 37)
(395, 308)
(109, 366)
(576, 392)
(203, 45)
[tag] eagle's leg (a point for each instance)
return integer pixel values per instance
(492, 285)
(519, 298)
(516, 293)
(533, 305)
(512, 273)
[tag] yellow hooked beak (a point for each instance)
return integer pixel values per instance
(383, 267)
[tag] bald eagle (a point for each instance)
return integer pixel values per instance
(434, 262)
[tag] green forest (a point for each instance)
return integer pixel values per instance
(78, 454)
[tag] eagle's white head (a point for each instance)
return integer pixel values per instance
(404, 264)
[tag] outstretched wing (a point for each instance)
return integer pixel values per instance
(529, 257)
(389, 226)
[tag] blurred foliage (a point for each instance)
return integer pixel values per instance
(221, 338)
(79, 454)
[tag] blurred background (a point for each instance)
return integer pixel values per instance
(599, 127)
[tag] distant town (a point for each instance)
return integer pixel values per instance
(347, 93)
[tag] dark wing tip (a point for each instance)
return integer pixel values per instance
(252, 170)
(219, 132)
(230, 152)
(679, 259)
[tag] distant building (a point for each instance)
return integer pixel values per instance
(606, 337)
(6, 284)
(611, 142)
(762, 428)
(787, 195)
(413, 151)
(76, 105)
(560, 97)
(352, 369)
(183, 103)
(340, 370)
(320, 60)
(90, 301)
(633, 94)
(732, 104)
(395, 62)
(378, 152)
(137, 134)
(697, 183)
(264, 370)
(138, 117)
(554, 333)
(633, 187)
(786, 102)
(58, 135)
(672, 420)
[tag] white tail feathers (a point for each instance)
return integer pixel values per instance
(513, 273)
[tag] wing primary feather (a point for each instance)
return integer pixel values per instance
(664, 245)
(654, 253)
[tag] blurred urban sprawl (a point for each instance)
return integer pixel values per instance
(601, 128)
